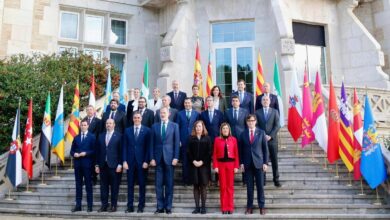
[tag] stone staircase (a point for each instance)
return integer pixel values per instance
(309, 192)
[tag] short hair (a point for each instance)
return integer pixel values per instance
(240, 80)
(163, 107)
(115, 93)
(235, 97)
(114, 100)
(250, 116)
(188, 98)
(193, 86)
(209, 97)
(264, 97)
(84, 120)
(223, 125)
(137, 89)
(137, 113)
(90, 106)
(167, 96)
(156, 88)
(143, 99)
(204, 132)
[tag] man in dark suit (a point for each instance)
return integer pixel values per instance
(121, 107)
(83, 151)
(246, 98)
(253, 160)
(268, 121)
(147, 114)
(186, 119)
(136, 144)
(236, 116)
(132, 106)
(212, 118)
(109, 165)
(166, 100)
(177, 97)
(164, 154)
(119, 117)
(273, 98)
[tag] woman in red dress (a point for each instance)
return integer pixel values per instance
(226, 164)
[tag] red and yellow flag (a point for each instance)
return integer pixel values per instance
(259, 76)
(345, 134)
(198, 80)
(74, 121)
(357, 136)
(209, 79)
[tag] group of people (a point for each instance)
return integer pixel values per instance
(205, 136)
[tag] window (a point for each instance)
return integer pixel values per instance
(96, 54)
(236, 31)
(72, 50)
(69, 25)
(118, 32)
(310, 49)
(93, 29)
(117, 59)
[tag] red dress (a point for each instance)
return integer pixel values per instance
(225, 158)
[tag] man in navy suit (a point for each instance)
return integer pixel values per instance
(121, 107)
(119, 117)
(177, 97)
(147, 114)
(136, 144)
(166, 100)
(268, 121)
(253, 160)
(132, 106)
(212, 118)
(186, 119)
(83, 150)
(164, 155)
(246, 98)
(109, 165)
(272, 98)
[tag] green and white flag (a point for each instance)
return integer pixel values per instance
(145, 81)
(278, 92)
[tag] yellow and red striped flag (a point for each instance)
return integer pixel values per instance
(198, 80)
(209, 83)
(259, 76)
(357, 136)
(345, 134)
(74, 121)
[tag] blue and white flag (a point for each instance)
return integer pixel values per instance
(124, 98)
(107, 98)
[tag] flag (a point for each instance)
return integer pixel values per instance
(319, 122)
(74, 121)
(259, 76)
(294, 123)
(57, 141)
(198, 79)
(345, 134)
(334, 126)
(209, 83)
(307, 113)
(107, 98)
(357, 136)
(46, 134)
(372, 165)
(92, 93)
(14, 163)
(278, 92)
(145, 81)
(124, 98)
(27, 160)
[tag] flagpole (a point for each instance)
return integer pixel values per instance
(71, 164)
(350, 179)
(56, 172)
(9, 196)
(325, 162)
(377, 201)
(43, 172)
(361, 187)
(337, 171)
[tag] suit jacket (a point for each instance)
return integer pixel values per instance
(214, 126)
(112, 151)
(270, 125)
(154, 107)
(120, 121)
(247, 102)
(147, 118)
(94, 126)
(273, 102)
(179, 102)
(222, 105)
(172, 115)
(256, 152)
(167, 148)
(121, 107)
(185, 125)
(130, 110)
(239, 125)
(135, 150)
(87, 146)
(219, 150)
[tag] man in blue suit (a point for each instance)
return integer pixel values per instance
(246, 98)
(253, 160)
(177, 96)
(186, 119)
(119, 117)
(83, 150)
(274, 103)
(109, 165)
(166, 100)
(121, 107)
(164, 155)
(236, 116)
(212, 118)
(136, 144)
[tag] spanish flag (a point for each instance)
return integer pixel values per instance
(209, 84)
(198, 80)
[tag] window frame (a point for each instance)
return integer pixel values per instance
(118, 52)
(126, 31)
(78, 25)
(94, 49)
(85, 29)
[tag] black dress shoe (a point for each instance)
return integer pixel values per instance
(159, 211)
(196, 210)
(140, 210)
(224, 213)
(262, 211)
(229, 212)
(168, 211)
(277, 184)
(76, 209)
(113, 209)
(129, 210)
(89, 209)
(102, 209)
(249, 211)
(203, 210)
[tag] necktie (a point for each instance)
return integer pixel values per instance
(136, 132)
(235, 114)
(141, 111)
(82, 137)
(252, 137)
(188, 115)
(107, 138)
(175, 95)
(266, 114)
(89, 121)
(112, 115)
(163, 130)
(241, 96)
(211, 116)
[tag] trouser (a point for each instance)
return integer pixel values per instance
(226, 183)
(254, 175)
(109, 180)
(83, 174)
(135, 172)
(164, 185)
